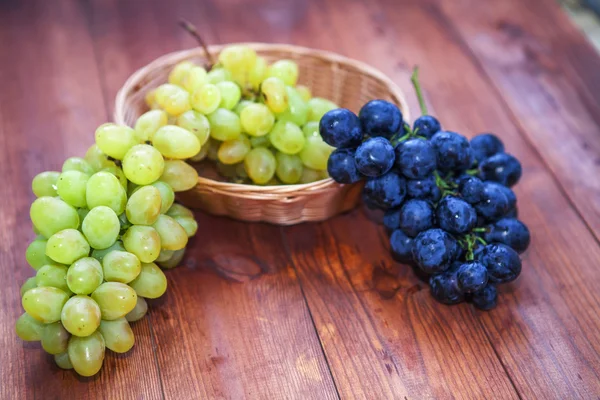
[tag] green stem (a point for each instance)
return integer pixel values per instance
(473, 171)
(481, 229)
(415, 81)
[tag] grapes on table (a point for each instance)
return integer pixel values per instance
(449, 207)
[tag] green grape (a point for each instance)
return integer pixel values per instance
(143, 241)
(120, 266)
(115, 299)
(213, 149)
(81, 316)
(104, 189)
(179, 71)
(224, 124)
(148, 123)
(30, 283)
(44, 184)
(96, 158)
(316, 153)
(304, 92)
(36, 254)
(71, 187)
(44, 303)
(53, 275)
(114, 140)
(179, 175)
(317, 107)
(28, 328)
(172, 235)
(55, 338)
(196, 123)
(151, 283)
(289, 168)
(230, 94)
(311, 129)
(118, 173)
(260, 165)
(260, 141)
(234, 151)
(194, 79)
(99, 254)
(227, 170)
(117, 335)
(175, 259)
(173, 99)
(67, 246)
(164, 255)
(143, 206)
(286, 70)
(201, 155)
(167, 196)
(257, 73)
(217, 75)
(178, 210)
(189, 225)
(150, 99)
(175, 142)
(287, 137)
(138, 312)
(297, 111)
(50, 215)
(85, 275)
(309, 175)
(77, 164)
(87, 353)
(273, 90)
(143, 164)
(206, 99)
(236, 58)
(241, 105)
(101, 227)
(62, 361)
(257, 119)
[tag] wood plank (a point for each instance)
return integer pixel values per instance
(547, 73)
(545, 329)
(247, 330)
(51, 104)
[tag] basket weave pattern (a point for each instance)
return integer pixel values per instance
(346, 82)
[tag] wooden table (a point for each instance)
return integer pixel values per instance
(320, 311)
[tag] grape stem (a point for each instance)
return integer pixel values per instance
(188, 26)
(415, 81)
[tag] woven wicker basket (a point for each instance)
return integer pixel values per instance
(346, 82)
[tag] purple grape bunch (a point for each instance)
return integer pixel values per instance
(449, 208)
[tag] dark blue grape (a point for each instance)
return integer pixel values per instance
(341, 128)
(374, 157)
(391, 219)
(502, 168)
(415, 217)
(472, 276)
(456, 215)
(341, 166)
(509, 231)
(386, 191)
(380, 118)
(425, 189)
(494, 204)
(401, 246)
(444, 287)
(502, 262)
(471, 189)
(453, 151)
(426, 126)
(486, 145)
(416, 158)
(486, 298)
(433, 250)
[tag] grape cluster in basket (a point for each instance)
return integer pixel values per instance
(448, 205)
(103, 225)
(250, 117)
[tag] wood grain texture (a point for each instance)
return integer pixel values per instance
(321, 311)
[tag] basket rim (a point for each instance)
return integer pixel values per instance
(174, 57)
